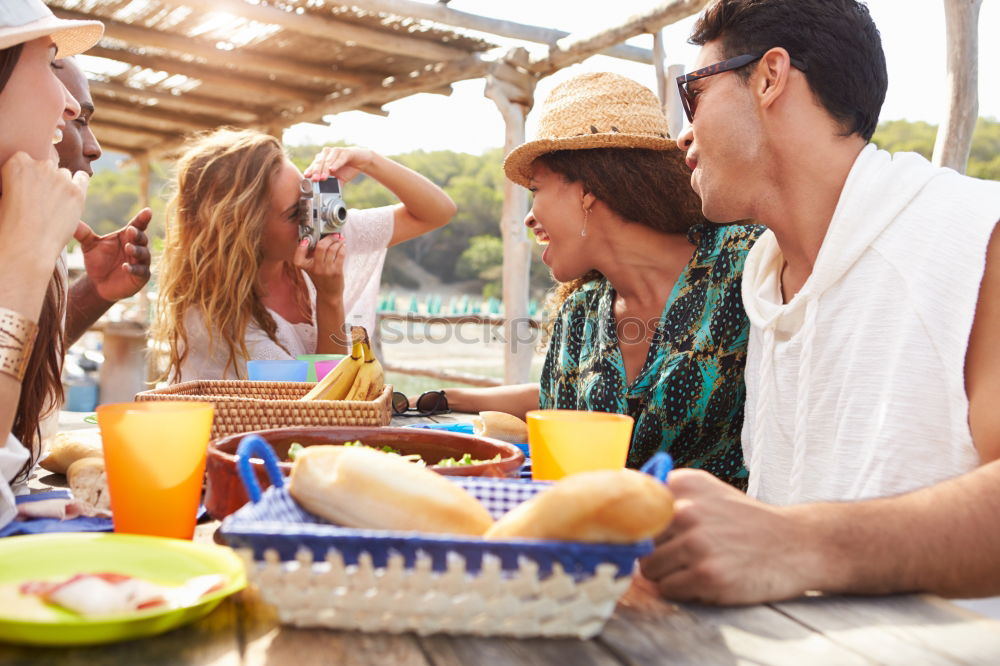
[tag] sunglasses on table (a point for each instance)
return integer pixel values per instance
(689, 99)
(428, 404)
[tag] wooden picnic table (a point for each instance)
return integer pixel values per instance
(904, 629)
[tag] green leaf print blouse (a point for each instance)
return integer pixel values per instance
(688, 397)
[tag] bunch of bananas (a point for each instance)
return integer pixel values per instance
(357, 377)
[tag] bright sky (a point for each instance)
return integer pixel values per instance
(913, 36)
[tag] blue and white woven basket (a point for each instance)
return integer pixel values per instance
(321, 575)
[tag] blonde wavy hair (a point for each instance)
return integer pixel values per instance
(212, 253)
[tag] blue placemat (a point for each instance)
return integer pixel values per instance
(81, 524)
(42, 525)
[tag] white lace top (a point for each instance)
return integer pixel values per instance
(367, 235)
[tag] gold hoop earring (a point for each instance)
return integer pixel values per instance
(586, 218)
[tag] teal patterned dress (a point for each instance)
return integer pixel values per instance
(688, 397)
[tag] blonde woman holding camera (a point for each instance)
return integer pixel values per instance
(40, 207)
(237, 284)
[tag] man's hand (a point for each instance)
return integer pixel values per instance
(118, 263)
(726, 548)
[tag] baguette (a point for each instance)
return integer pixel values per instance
(67, 449)
(89, 483)
(364, 488)
(502, 426)
(606, 506)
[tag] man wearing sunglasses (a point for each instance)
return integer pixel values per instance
(874, 302)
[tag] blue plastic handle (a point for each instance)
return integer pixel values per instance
(659, 466)
(254, 445)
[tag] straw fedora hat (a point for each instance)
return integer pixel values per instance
(594, 110)
(24, 20)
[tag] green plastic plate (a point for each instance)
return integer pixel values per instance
(59, 556)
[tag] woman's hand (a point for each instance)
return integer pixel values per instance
(325, 266)
(40, 209)
(342, 163)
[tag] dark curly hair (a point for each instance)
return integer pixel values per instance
(836, 39)
(648, 187)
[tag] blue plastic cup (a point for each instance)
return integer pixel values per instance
(278, 371)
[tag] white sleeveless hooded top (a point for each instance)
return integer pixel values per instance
(855, 387)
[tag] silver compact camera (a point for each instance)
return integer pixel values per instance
(323, 210)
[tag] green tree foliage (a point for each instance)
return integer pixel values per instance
(113, 197)
(918, 137)
(481, 258)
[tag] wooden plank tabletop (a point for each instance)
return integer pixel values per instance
(905, 630)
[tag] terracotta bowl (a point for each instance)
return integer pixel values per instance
(224, 492)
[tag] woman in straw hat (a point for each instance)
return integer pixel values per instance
(40, 208)
(649, 318)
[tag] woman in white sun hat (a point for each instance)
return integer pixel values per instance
(40, 207)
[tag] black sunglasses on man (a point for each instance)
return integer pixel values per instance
(689, 98)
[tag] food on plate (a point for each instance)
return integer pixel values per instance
(296, 449)
(605, 506)
(89, 483)
(361, 487)
(500, 425)
(68, 448)
(114, 593)
(357, 377)
(467, 459)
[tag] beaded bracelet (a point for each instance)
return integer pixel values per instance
(17, 339)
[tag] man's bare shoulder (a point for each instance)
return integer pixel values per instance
(982, 360)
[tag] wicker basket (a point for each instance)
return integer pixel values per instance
(320, 575)
(242, 406)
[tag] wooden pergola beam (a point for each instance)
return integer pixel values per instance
(575, 48)
(150, 132)
(197, 104)
(470, 67)
(181, 120)
(121, 148)
(528, 33)
(197, 47)
(373, 109)
(108, 134)
(209, 76)
(313, 24)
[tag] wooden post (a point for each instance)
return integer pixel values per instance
(143, 295)
(954, 136)
(125, 367)
(143, 160)
(666, 89)
(674, 109)
(512, 89)
(662, 81)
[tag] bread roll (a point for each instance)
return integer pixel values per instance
(607, 506)
(89, 483)
(67, 449)
(502, 426)
(358, 486)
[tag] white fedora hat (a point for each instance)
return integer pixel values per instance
(24, 20)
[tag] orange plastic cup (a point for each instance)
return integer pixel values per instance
(565, 441)
(154, 454)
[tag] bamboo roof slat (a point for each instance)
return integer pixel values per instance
(178, 66)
